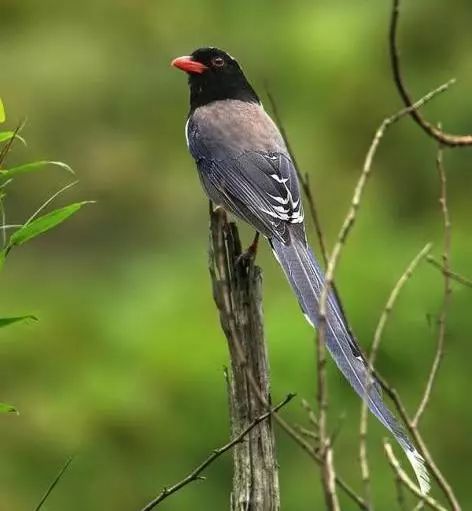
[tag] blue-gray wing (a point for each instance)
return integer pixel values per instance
(261, 188)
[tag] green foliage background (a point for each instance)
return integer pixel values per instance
(124, 367)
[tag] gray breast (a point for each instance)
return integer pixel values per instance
(230, 127)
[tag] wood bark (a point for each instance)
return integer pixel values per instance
(237, 291)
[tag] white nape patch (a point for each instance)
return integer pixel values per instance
(309, 320)
(186, 133)
(417, 462)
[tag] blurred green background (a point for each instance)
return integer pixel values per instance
(125, 367)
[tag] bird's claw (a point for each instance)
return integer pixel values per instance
(250, 253)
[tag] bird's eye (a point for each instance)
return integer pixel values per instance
(218, 62)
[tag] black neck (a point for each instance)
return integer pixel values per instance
(203, 91)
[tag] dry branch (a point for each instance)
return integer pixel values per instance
(365, 472)
(402, 475)
(54, 483)
(447, 289)
(442, 137)
(412, 423)
(195, 474)
(454, 275)
(237, 291)
(360, 186)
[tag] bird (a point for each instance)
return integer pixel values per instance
(245, 167)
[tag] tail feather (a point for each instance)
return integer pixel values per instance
(307, 280)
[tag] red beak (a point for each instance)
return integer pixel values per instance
(189, 65)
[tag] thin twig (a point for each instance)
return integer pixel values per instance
(454, 275)
(308, 433)
(392, 299)
(314, 455)
(365, 174)
(419, 441)
(53, 484)
(365, 472)
(6, 148)
(3, 154)
(447, 290)
(402, 475)
(195, 474)
(328, 474)
(419, 506)
(311, 414)
(400, 494)
(442, 137)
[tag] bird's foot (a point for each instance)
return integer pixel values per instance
(249, 255)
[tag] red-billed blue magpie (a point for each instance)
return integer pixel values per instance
(244, 166)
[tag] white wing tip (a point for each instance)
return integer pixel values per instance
(417, 462)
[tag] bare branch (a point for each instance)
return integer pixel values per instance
(393, 298)
(358, 192)
(195, 474)
(402, 475)
(454, 275)
(308, 448)
(419, 441)
(54, 483)
(400, 494)
(442, 137)
(328, 474)
(6, 148)
(365, 472)
(447, 289)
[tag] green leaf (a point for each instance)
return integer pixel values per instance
(32, 167)
(4, 408)
(2, 111)
(9, 321)
(43, 223)
(7, 135)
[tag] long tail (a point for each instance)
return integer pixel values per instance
(307, 280)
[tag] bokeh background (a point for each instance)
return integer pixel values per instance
(125, 366)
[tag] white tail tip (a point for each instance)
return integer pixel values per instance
(417, 462)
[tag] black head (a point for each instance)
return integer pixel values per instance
(214, 75)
